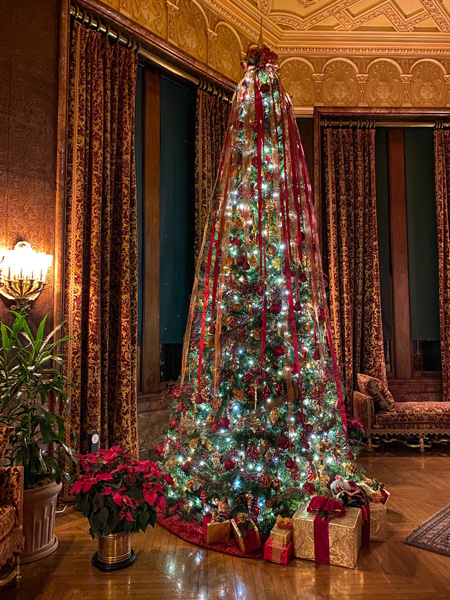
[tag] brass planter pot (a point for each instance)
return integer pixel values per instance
(114, 552)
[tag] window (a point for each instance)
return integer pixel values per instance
(165, 153)
(406, 214)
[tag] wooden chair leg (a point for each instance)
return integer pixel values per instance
(422, 444)
(369, 443)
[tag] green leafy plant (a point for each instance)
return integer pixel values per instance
(118, 493)
(31, 368)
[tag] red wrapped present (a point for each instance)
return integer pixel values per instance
(278, 554)
(245, 533)
(216, 528)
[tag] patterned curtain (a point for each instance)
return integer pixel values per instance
(354, 278)
(210, 128)
(101, 250)
(442, 183)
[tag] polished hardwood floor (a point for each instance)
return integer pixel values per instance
(170, 569)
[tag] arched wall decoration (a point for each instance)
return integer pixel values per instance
(338, 74)
(227, 51)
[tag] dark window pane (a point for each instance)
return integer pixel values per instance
(384, 238)
(422, 249)
(177, 207)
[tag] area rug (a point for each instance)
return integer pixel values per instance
(434, 534)
(191, 531)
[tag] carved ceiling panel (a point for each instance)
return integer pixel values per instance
(332, 52)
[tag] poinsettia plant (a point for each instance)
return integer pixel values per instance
(117, 492)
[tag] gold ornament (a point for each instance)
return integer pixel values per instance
(265, 480)
(237, 307)
(276, 484)
(230, 322)
(276, 263)
(307, 326)
(351, 468)
(210, 342)
(215, 457)
(239, 223)
(271, 250)
(254, 422)
(274, 416)
(194, 443)
(230, 262)
(192, 485)
(238, 394)
(253, 261)
(257, 334)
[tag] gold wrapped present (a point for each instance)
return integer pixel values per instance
(245, 533)
(216, 529)
(378, 520)
(343, 540)
(281, 533)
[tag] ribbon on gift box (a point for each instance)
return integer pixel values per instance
(325, 509)
(284, 522)
(247, 532)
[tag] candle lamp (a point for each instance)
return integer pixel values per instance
(23, 272)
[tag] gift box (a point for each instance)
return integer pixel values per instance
(245, 533)
(336, 542)
(216, 532)
(280, 536)
(278, 554)
(378, 519)
(281, 533)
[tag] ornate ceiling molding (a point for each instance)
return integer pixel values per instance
(332, 52)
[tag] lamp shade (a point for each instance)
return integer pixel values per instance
(25, 263)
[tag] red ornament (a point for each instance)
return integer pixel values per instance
(174, 423)
(321, 315)
(229, 465)
(297, 306)
(224, 422)
(289, 463)
(236, 242)
(215, 428)
(302, 277)
(308, 427)
(247, 378)
(310, 488)
(283, 442)
(349, 455)
(305, 444)
(278, 351)
(259, 380)
(183, 431)
(186, 466)
(279, 390)
(265, 392)
(304, 352)
(294, 368)
(159, 450)
(245, 265)
(265, 88)
(275, 308)
(212, 329)
(198, 399)
(241, 259)
(316, 354)
(180, 406)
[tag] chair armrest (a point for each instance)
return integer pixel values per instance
(364, 409)
(11, 489)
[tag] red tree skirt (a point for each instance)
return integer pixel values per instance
(191, 531)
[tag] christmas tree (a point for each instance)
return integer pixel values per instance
(259, 423)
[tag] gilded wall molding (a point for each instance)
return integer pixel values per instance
(382, 54)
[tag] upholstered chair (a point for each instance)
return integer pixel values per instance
(11, 514)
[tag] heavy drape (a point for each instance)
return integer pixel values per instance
(354, 278)
(101, 248)
(442, 184)
(211, 121)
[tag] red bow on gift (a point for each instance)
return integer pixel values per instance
(326, 508)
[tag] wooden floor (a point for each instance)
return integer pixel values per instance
(168, 568)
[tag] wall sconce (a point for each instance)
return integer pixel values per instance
(22, 274)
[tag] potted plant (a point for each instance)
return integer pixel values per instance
(31, 368)
(119, 496)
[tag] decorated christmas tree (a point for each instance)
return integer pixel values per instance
(259, 423)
